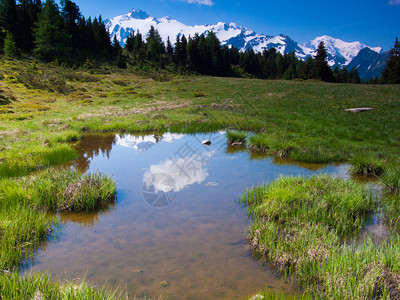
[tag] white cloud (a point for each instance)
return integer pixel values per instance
(174, 175)
(144, 143)
(394, 2)
(205, 2)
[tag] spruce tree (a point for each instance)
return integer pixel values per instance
(71, 14)
(391, 74)
(28, 13)
(322, 69)
(354, 77)
(130, 41)
(10, 47)
(155, 45)
(51, 40)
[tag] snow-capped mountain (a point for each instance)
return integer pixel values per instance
(339, 52)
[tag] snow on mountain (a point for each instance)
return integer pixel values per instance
(339, 52)
(229, 34)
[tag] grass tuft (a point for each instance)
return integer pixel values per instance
(362, 164)
(238, 137)
(391, 179)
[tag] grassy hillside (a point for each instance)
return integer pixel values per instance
(42, 107)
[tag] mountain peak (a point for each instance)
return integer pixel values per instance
(339, 52)
(138, 14)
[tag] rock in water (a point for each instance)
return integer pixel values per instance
(164, 283)
(206, 142)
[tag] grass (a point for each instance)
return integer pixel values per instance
(21, 163)
(43, 108)
(364, 164)
(236, 137)
(390, 181)
(35, 286)
(25, 226)
(299, 225)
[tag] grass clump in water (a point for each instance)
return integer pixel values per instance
(69, 190)
(299, 226)
(271, 145)
(23, 225)
(339, 204)
(362, 164)
(236, 137)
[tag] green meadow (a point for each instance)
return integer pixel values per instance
(301, 226)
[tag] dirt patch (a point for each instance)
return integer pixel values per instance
(12, 132)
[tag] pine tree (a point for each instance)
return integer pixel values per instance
(322, 69)
(10, 48)
(28, 13)
(344, 74)
(9, 16)
(169, 49)
(71, 14)
(155, 45)
(51, 40)
(354, 77)
(116, 46)
(391, 74)
(8, 19)
(130, 41)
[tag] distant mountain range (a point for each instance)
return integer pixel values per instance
(369, 61)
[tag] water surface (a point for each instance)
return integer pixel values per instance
(176, 230)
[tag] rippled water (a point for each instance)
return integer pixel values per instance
(176, 230)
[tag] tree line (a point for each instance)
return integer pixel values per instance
(52, 32)
(204, 54)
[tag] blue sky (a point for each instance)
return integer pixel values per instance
(372, 22)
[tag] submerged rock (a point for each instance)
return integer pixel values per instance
(206, 142)
(164, 283)
(237, 144)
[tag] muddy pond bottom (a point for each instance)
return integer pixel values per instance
(176, 230)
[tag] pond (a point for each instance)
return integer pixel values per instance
(176, 230)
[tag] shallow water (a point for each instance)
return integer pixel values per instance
(176, 230)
